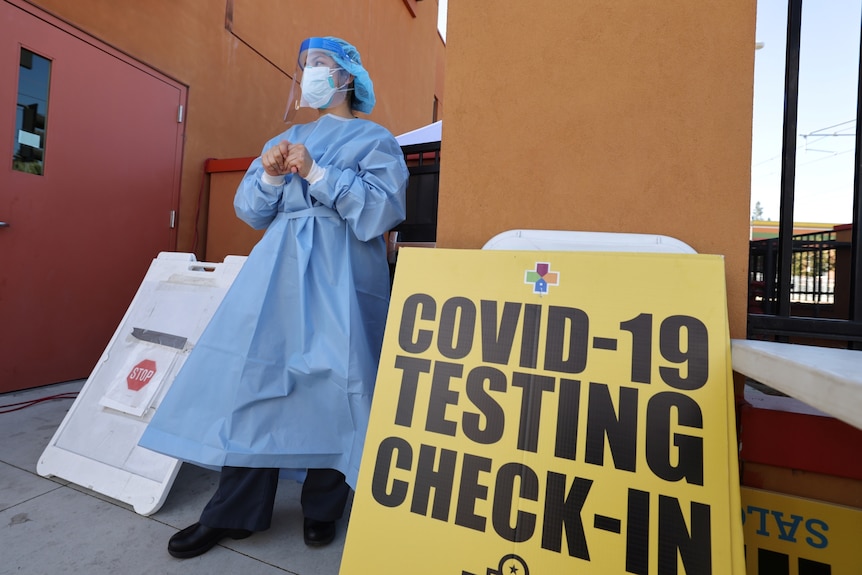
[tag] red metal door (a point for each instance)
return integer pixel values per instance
(79, 237)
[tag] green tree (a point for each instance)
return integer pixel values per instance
(757, 214)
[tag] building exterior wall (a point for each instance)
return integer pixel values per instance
(237, 58)
(601, 116)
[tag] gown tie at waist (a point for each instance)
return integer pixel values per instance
(315, 212)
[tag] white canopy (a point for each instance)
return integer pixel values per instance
(423, 135)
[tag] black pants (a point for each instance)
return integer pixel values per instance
(245, 497)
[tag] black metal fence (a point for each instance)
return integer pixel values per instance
(813, 265)
(801, 287)
(819, 290)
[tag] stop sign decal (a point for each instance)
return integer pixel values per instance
(141, 374)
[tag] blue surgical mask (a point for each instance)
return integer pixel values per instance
(318, 86)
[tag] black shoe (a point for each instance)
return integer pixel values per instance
(197, 539)
(318, 533)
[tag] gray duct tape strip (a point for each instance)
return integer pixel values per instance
(169, 340)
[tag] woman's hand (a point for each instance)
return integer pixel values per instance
(287, 158)
(298, 160)
(275, 159)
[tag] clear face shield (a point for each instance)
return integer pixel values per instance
(319, 81)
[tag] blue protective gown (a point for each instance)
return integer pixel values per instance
(283, 375)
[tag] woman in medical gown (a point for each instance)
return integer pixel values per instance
(282, 377)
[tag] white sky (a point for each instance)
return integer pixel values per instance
(829, 62)
(442, 12)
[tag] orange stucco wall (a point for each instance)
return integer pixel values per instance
(601, 116)
(236, 57)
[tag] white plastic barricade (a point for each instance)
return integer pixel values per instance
(96, 445)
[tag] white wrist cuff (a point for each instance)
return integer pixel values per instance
(272, 180)
(315, 174)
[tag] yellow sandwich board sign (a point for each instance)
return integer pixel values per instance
(786, 535)
(551, 412)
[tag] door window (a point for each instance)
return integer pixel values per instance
(31, 114)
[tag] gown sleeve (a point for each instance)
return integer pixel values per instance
(256, 203)
(371, 197)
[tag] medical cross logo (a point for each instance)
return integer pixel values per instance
(542, 278)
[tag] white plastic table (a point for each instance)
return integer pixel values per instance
(829, 379)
